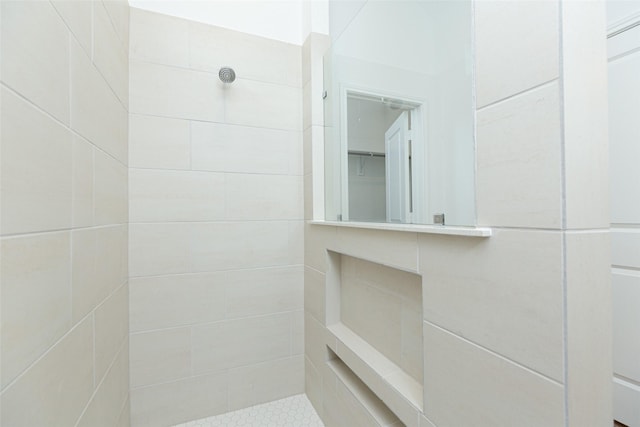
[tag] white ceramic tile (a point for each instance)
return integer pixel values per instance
(519, 165)
(111, 394)
(626, 322)
(162, 195)
(263, 197)
(514, 275)
(158, 142)
(111, 321)
(316, 240)
(96, 112)
(516, 47)
(180, 93)
(119, 12)
(110, 201)
(82, 182)
(625, 247)
(373, 245)
(584, 67)
(466, 385)
(36, 169)
(588, 328)
(314, 293)
(35, 55)
(623, 131)
(370, 312)
(36, 298)
(360, 397)
(109, 54)
(55, 390)
(296, 241)
(216, 346)
(234, 245)
(253, 103)
(179, 401)
(158, 38)
(295, 411)
(160, 356)
(77, 16)
(312, 385)
(124, 419)
(263, 291)
(265, 382)
(99, 258)
(229, 148)
(252, 57)
(157, 249)
(297, 332)
(178, 300)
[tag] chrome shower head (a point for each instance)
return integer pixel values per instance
(227, 75)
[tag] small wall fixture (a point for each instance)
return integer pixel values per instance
(227, 75)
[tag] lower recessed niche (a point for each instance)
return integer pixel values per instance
(383, 305)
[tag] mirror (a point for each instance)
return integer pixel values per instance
(399, 113)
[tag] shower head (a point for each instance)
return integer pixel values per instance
(227, 75)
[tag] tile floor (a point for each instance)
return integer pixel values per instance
(294, 411)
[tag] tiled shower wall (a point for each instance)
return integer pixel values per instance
(216, 233)
(64, 218)
(516, 326)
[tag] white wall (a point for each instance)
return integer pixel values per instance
(289, 21)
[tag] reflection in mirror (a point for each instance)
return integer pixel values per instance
(399, 117)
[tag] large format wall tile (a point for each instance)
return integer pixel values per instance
(517, 47)
(468, 386)
(78, 17)
(254, 103)
(96, 112)
(216, 346)
(159, 38)
(179, 93)
(520, 139)
(109, 54)
(166, 196)
(159, 143)
(180, 401)
(36, 169)
(36, 298)
(231, 148)
(59, 385)
(111, 324)
(35, 53)
(252, 57)
(169, 301)
(175, 347)
(515, 275)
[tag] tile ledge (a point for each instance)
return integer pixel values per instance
(412, 228)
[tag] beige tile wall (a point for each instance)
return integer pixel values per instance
(216, 209)
(511, 323)
(63, 281)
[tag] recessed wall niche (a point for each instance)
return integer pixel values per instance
(382, 305)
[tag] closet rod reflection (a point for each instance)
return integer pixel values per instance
(365, 153)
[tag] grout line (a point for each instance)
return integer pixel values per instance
(225, 371)
(563, 244)
(59, 122)
(59, 230)
(218, 123)
(515, 95)
(191, 273)
(137, 168)
(211, 71)
(496, 354)
(220, 321)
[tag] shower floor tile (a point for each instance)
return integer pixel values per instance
(294, 411)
